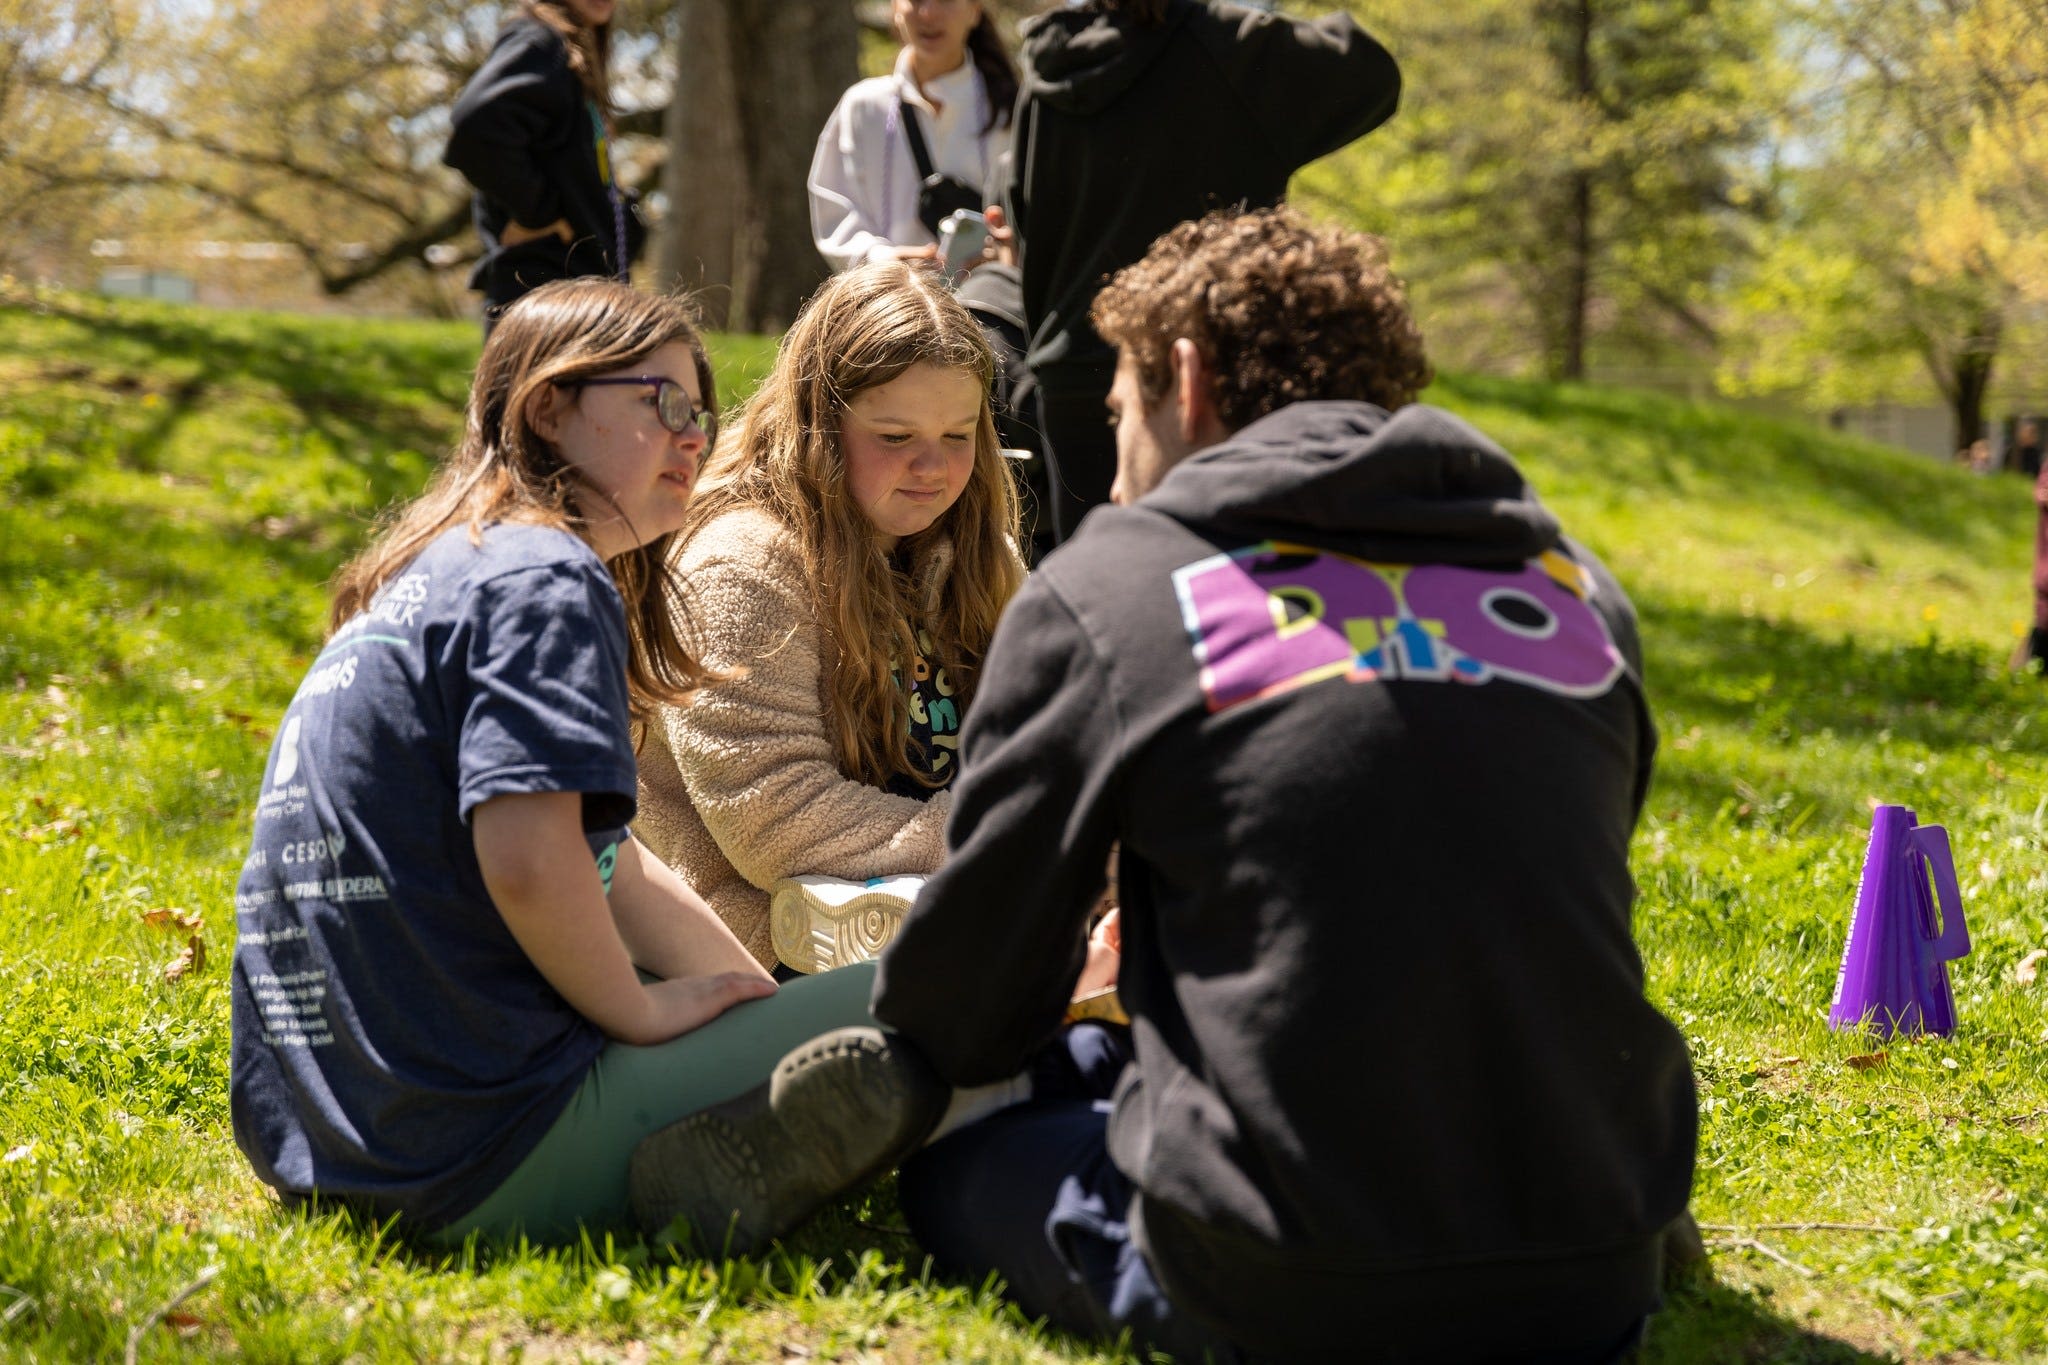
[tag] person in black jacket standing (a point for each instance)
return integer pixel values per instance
(1134, 115)
(532, 132)
(1371, 736)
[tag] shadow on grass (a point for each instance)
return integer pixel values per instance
(1702, 1323)
(1712, 1324)
(859, 1246)
(1781, 686)
(335, 378)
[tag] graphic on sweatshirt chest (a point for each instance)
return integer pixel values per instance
(934, 715)
(1272, 617)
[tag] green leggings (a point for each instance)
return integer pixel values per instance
(577, 1173)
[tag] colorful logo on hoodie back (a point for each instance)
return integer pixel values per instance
(1273, 617)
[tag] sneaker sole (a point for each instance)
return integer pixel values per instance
(838, 1111)
(817, 938)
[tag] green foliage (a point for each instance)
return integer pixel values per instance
(1825, 623)
(1562, 174)
(1887, 273)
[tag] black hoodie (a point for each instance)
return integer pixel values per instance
(1123, 130)
(1397, 1085)
(521, 133)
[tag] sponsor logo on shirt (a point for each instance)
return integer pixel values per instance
(287, 754)
(292, 1008)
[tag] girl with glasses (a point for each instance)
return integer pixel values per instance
(463, 991)
(842, 567)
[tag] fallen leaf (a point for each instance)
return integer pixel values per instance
(169, 917)
(1864, 1061)
(183, 1323)
(193, 959)
(2029, 967)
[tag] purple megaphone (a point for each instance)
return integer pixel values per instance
(1894, 976)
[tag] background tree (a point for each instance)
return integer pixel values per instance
(312, 124)
(1563, 172)
(757, 82)
(1913, 225)
(59, 174)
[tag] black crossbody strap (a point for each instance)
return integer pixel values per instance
(918, 151)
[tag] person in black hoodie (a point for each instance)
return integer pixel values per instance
(1134, 115)
(532, 132)
(1371, 735)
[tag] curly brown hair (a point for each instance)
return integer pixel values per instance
(1282, 310)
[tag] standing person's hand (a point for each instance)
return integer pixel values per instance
(517, 232)
(1001, 246)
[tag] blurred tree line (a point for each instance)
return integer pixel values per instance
(1840, 199)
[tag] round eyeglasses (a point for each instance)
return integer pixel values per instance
(672, 405)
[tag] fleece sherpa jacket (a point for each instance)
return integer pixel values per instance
(741, 787)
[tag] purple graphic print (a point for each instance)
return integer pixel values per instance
(1273, 617)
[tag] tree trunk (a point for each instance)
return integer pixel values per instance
(1578, 281)
(704, 178)
(797, 57)
(1970, 378)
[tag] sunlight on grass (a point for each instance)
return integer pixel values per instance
(1826, 625)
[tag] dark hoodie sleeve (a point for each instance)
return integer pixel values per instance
(512, 111)
(1312, 85)
(1620, 615)
(980, 973)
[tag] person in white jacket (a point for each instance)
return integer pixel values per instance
(955, 79)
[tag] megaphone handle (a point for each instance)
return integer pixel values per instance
(1932, 842)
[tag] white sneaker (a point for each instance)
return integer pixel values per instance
(818, 923)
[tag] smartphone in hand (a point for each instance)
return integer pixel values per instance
(962, 235)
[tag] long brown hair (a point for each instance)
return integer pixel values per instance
(864, 328)
(998, 73)
(503, 469)
(590, 48)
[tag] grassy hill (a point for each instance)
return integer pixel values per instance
(1826, 622)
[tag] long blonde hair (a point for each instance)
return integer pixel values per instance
(862, 329)
(503, 469)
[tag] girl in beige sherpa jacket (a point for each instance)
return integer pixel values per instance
(844, 564)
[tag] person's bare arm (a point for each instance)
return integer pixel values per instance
(537, 866)
(1105, 955)
(667, 928)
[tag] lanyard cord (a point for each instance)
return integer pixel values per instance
(892, 127)
(620, 264)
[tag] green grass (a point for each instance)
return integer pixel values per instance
(1826, 623)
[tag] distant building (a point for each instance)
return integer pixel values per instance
(1923, 429)
(136, 282)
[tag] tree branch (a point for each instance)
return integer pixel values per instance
(412, 246)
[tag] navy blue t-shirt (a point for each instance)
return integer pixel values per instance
(392, 1043)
